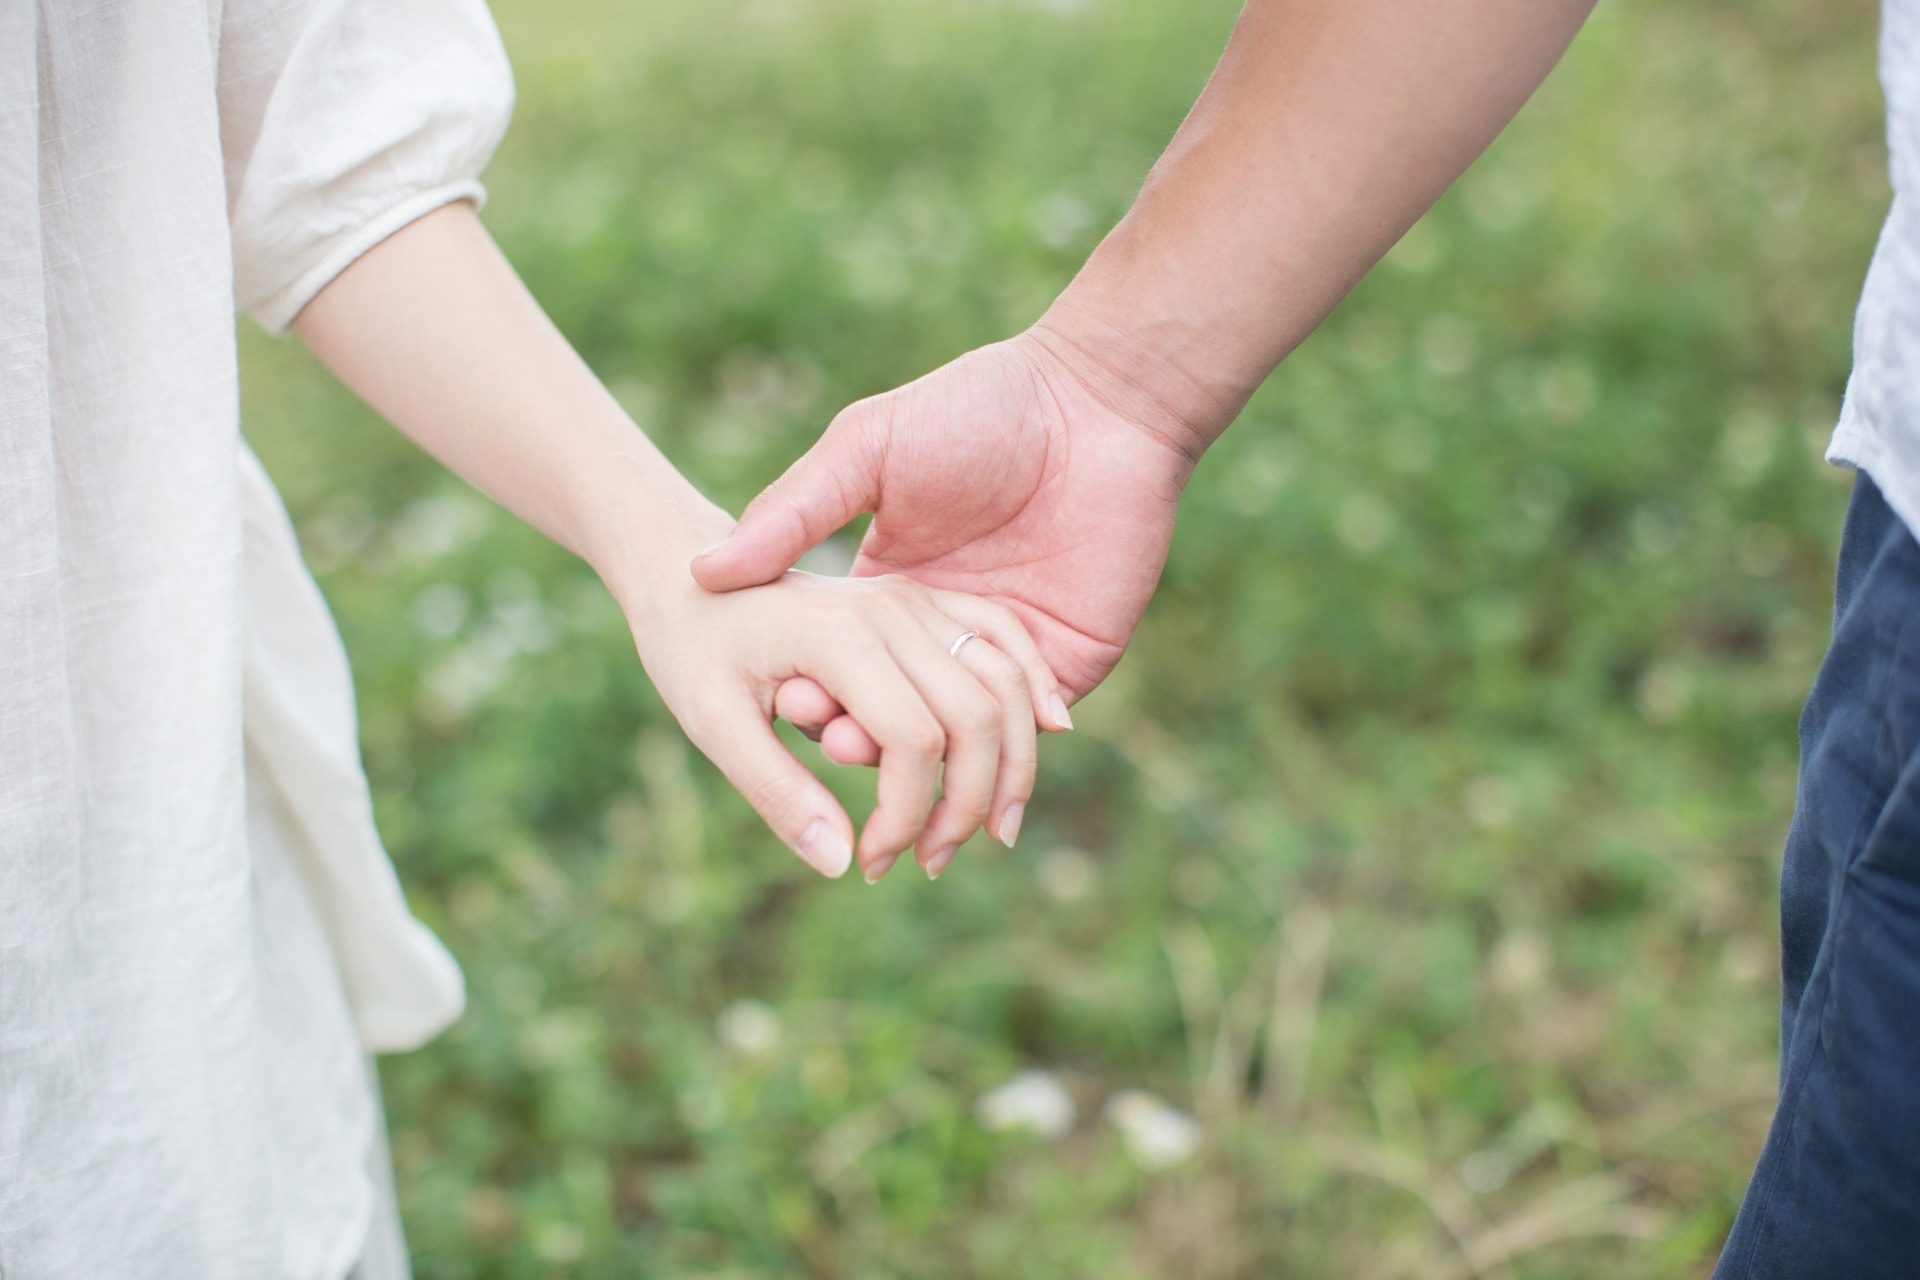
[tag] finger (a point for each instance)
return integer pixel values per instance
(1019, 746)
(1002, 627)
(972, 718)
(843, 741)
(827, 486)
(736, 735)
(806, 706)
(814, 712)
(869, 682)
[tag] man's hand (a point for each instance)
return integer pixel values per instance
(1011, 474)
(1043, 472)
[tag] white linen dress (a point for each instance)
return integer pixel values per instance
(201, 937)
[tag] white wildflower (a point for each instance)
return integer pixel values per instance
(1157, 1136)
(749, 1027)
(1035, 1101)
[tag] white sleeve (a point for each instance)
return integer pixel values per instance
(341, 122)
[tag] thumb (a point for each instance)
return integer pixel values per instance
(826, 487)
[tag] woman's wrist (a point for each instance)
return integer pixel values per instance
(641, 525)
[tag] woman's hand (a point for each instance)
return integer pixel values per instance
(434, 329)
(880, 648)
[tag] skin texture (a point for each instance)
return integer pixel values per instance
(1043, 472)
(435, 331)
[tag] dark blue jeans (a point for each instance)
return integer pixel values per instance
(1837, 1190)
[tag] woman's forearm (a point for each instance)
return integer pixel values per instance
(434, 329)
(1328, 127)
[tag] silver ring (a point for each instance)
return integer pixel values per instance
(953, 650)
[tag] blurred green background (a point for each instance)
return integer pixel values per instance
(1403, 906)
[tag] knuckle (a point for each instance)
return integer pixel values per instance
(1005, 619)
(1008, 629)
(980, 715)
(866, 419)
(922, 741)
(854, 417)
(967, 815)
(1005, 674)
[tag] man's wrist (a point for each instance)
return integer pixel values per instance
(1133, 347)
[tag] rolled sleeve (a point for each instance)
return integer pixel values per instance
(341, 122)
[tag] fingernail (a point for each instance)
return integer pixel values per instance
(698, 555)
(1010, 823)
(825, 850)
(1057, 707)
(938, 862)
(881, 865)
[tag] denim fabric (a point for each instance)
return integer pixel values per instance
(1837, 1190)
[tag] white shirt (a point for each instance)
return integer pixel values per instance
(199, 929)
(1879, 429)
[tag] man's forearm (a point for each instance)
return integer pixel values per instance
(1327, 129)
(433, 329)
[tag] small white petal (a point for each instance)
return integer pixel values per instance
(1034, 1101)
(749, 1027)
(1157, 1136)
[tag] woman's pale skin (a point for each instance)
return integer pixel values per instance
(434, 329)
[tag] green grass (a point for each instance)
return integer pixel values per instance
(1424, 846)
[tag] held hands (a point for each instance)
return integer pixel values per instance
(1021, 474)
(1021, 493)
(883, 649)
(433, 328)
